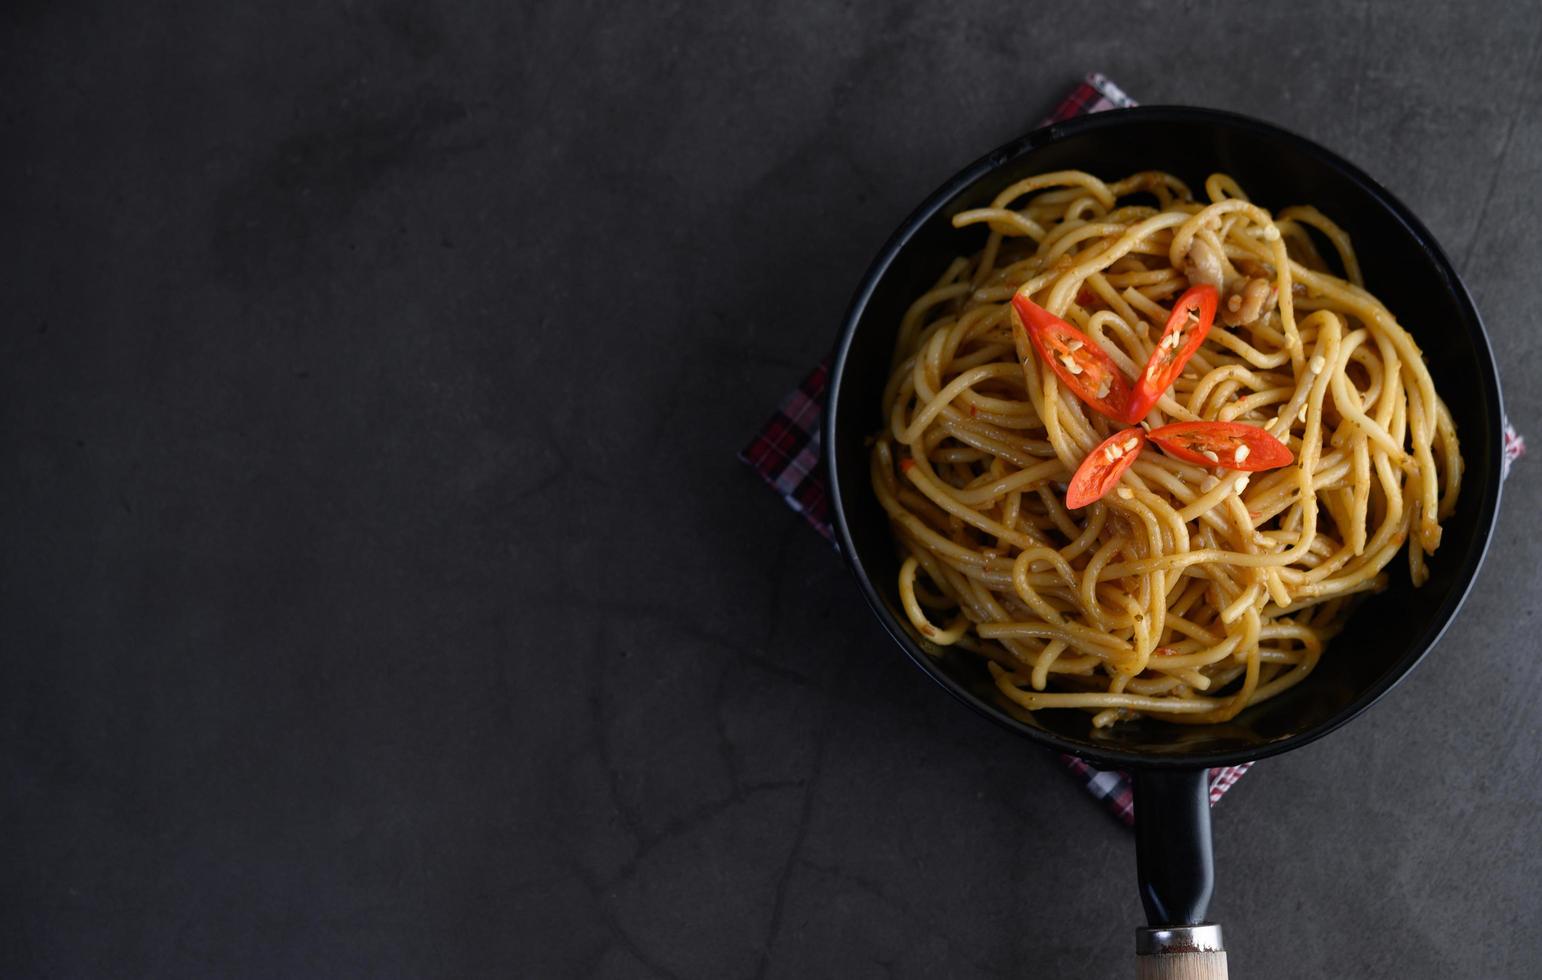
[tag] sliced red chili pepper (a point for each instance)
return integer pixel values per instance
(1081, 365)
(1100, 471)
(1185, 331)
(1232, 445)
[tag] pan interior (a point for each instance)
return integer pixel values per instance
(1388, 632)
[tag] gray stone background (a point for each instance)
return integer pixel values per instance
(379, 594)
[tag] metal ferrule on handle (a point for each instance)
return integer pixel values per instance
(1204, 938)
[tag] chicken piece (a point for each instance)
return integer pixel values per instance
(1248, 303)
(1202, 264)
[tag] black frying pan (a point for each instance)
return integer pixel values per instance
(1387, 634)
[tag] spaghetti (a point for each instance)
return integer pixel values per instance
(1191, 591)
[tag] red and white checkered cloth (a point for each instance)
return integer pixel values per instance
(786, 455)
(786, 452)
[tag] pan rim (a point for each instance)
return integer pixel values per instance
(1488, 507)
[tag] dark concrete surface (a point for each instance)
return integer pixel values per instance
(379, 594)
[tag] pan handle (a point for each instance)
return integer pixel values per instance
(1177, 874)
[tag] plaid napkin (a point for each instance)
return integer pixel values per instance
(786, 455)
